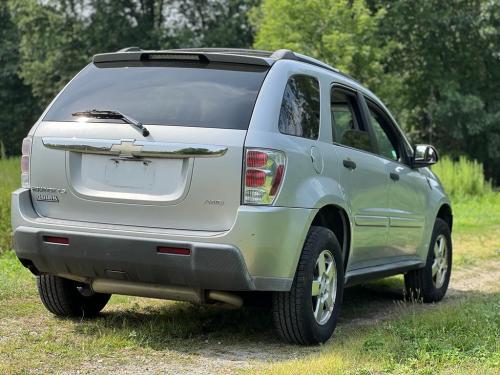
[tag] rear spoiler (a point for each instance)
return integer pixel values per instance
(222, 55)
(133, 54)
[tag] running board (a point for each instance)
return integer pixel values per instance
(379, 272)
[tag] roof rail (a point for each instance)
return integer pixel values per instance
(130, 49)
(286, 54)
(283, 54)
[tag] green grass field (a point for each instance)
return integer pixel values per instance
(378, 331)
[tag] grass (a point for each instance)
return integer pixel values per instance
(461, 337)
(458, 336)
(476, 229)
(378, 331)
(33, 340)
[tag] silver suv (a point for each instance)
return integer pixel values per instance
(207, 175)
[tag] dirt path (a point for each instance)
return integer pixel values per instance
(364, 305)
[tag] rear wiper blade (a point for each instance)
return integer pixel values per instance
(115, 115)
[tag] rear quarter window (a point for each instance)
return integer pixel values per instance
(300, 107)
(210, 95)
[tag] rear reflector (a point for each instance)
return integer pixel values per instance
(57, 240)
(173, 250)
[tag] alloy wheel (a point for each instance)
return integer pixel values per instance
(440, 264)
(324, 287)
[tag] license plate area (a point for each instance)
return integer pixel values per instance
(130, 173)
(151, 180)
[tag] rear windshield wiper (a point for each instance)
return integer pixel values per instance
(115, 115)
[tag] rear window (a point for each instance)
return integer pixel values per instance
(213, 95)
(299, 114)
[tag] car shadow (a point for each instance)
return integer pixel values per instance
(238, 334)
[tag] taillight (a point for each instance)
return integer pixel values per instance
(25, 162)
(264, 172)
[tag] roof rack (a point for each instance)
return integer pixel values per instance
(286, 54)
(281, 54)
(215, 54)
(130, 49)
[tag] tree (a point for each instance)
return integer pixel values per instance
(58, 37)
(17, 106)
(115, 24)
(51, 46)
(342, 33)
(447, 55)
(435, 63)
(222, 23)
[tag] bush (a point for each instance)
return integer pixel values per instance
(10, 180)
(462, 178)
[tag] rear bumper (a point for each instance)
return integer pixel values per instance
(260, 251)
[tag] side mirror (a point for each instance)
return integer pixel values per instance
(424, 155)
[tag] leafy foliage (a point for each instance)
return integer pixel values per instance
(50, 47)
(447, 55)
(45, 43)
(340, 32)
(17, 105)
(435, 63)
(208, 23)
(9, 181)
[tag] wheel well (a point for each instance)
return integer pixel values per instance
(445, 214)
(336, 219)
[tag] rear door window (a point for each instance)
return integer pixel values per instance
(300, 107)
(347, 127)
(211, 95)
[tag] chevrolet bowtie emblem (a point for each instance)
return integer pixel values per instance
(127, 149)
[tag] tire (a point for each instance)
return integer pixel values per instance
(294, 311)
(68, 298)
(429, 284)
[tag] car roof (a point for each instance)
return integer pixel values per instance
(228, 55)
(231, 55)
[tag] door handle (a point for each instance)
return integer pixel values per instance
(394, 176)
(349, 164)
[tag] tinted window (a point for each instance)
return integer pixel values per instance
(300, 107)
(211, 95)
(386, 140)
(347, 127)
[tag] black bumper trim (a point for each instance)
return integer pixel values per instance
(92, 256)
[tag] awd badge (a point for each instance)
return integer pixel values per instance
(46, 194)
